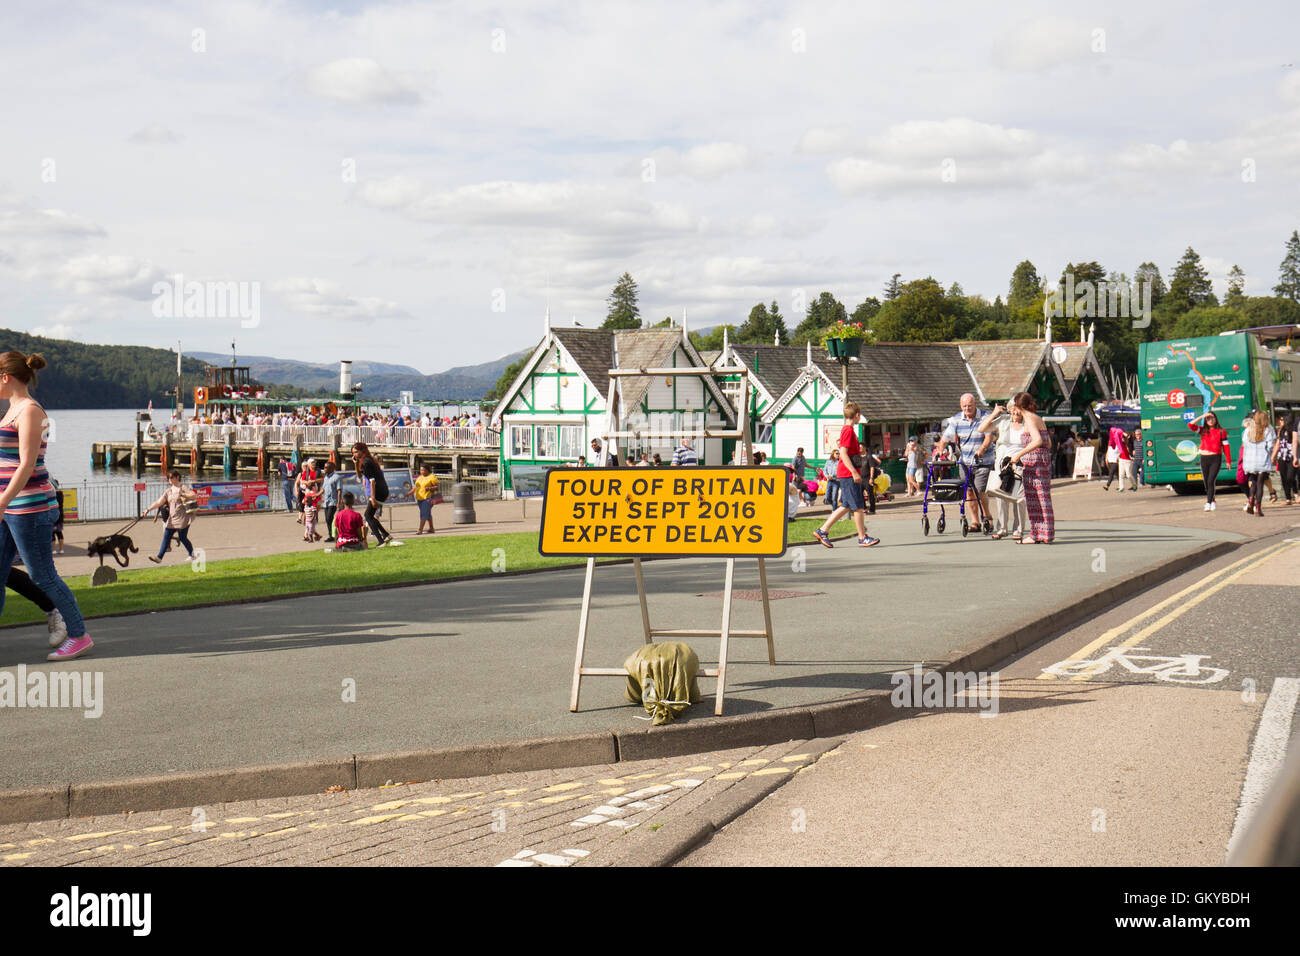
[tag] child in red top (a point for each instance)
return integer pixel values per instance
(349, 528)
(1214, 451)
(311, 496)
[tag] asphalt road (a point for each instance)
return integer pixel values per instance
(459, 663)
(1141, 738)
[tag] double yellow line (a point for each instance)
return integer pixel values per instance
(1233, 572)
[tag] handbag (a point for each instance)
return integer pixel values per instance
(1241, 470)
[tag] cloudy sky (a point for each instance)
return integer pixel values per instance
(405, 182)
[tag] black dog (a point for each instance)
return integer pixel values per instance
(115, 546)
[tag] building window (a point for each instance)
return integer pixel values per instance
(521, 441)
(570, 442)
(546, 440)
(762, 434)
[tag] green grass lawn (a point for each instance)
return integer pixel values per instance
(179, 585)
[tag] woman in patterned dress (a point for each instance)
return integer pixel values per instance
(1035, 460)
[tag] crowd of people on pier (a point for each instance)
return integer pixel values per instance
(331, 415)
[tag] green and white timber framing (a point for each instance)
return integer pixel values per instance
(559, 401)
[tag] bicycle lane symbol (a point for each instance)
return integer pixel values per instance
(1181, 669)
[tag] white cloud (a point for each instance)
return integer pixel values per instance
(21, 220)
(99, 274)
(708, 161)
(57, 332)
(575, 207)
(818, 141)
(1044, 44)
(157, 133)
(359, 80)
(325, 298)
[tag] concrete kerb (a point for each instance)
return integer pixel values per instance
(817, 721)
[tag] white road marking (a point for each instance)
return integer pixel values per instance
(516, 863)
(550, 859)
(1267, 752)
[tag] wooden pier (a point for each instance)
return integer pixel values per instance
(257, 460)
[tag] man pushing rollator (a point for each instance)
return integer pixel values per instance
(976, 451)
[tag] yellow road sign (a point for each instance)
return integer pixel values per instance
(737, 512)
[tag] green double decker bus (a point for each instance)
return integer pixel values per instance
(1231, 375)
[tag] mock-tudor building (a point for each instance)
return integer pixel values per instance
(903, 389)
(558, 402)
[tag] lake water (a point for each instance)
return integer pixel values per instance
(67, 455)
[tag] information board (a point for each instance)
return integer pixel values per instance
(1083, 460)
(217, 496)
(737, 512)
(529, 481)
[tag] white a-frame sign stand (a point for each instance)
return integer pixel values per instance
(742, 392)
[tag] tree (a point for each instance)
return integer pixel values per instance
(1149, 274)
(1205, 320)
(823, 312)
(1084, 272)
(955, 291)
(866, 310)
(892, 288)
(1236, 287)
(624, 313)
(1190, 285)
(498, 391)
(921, 313)
(1288, 286)
(1026, 284)
(763, 327)
(712, 340)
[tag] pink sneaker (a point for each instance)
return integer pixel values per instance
(72, 648)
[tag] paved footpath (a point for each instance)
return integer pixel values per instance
(579, 816)
(491, 659)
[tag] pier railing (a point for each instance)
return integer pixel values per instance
(407, 436)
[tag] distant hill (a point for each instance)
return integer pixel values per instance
(378, 379)
(103, 376)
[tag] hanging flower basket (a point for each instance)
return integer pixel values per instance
(843, 340)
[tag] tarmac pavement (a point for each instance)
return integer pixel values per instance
(465, 662)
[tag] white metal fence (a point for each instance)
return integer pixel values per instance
(112, 500)
(408, 436)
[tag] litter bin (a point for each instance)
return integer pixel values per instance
(462, 498)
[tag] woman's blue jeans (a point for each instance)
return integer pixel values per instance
(182, 534)
(29, 536)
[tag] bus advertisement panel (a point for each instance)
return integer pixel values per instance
(1182, 380)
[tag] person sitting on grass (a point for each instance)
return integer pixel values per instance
(349, 528)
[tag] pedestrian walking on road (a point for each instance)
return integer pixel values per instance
(913, 463)
(1286, 454)
(1214, 452)
(851, 472)
(28, 501)
(288, 479)
(178, 516)
(1035, 460)
(1257, 440)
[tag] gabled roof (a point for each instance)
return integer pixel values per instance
(892, 381)
(593, 350)
(773, 367)
(596, 351)
(1007, 366)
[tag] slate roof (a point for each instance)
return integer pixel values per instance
(593, 350)
(774, 367)
(1004, 367)
(903, 382)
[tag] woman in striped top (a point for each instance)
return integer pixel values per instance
(28, 500)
